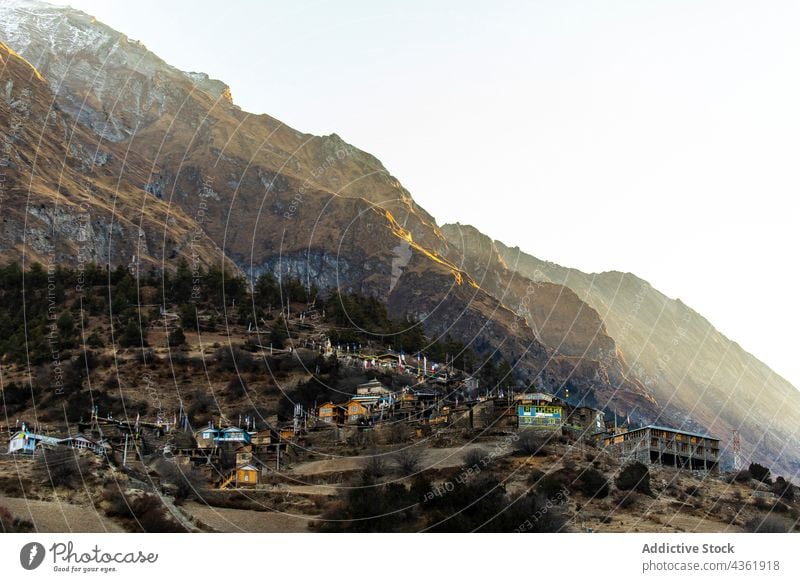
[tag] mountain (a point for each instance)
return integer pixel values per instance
(684, 362)
(62, 200)
(174, 168)
(574, 331)
(275, 199)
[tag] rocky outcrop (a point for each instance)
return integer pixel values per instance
(67, 198)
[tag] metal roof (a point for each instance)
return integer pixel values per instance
(669, 429)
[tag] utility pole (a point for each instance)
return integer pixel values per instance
(125, 452)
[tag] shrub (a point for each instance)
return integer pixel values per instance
(779, 507)
(182, 482)
(11, 524)
(742, 476)
(593, 483)
(95, 341)
(15, 486)
(693, 491)
(768, 524)
(235, 359)
(374, 508)
(543, 516)
(132, 335)
(176, 337)
(374, 468)
(532, 443)
(236, 388)
(457, 510)
(408, 460)
(626, 500)
(760, 473)
(398, 433)
(61, 467)
(783, 489)
(634, 477)
(535, 476)
(140, 513)
(554, 485)
(473, 457)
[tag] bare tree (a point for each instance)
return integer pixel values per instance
(474, 457)
(374, 468)
(409, 460)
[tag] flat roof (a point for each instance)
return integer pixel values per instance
(657, 427)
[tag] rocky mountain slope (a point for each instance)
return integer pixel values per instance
(62, 199)
(275, 199)
(560, 319)
(684, 362)
(174, 166)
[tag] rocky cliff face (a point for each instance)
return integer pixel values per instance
(709, 381)
(272, 198)
(581, 349)
(62, 202)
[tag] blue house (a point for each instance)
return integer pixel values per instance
(25, 442)
(235, 435)
(211, 436)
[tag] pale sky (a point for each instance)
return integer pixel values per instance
(660, 138)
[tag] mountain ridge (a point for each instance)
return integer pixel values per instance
(274, 199)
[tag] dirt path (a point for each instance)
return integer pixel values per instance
(179, 516)
(431, 459)
(324, 490)
(59, 517)
(244, 520)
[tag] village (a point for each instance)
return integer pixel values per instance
(431, 402)
(390, 413)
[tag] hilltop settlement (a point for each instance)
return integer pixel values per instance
(294, 412)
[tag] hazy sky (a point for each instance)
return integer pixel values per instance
(661, 138)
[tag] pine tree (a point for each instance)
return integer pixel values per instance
(176, 337)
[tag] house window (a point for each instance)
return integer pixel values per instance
(247, 476)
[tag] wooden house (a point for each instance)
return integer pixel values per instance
(332, 413)
(666, 446)
(80, 442)
(246, 476)
(244, 455)
(207, 437)
(264, 442)
(355, 411)
(589, 421)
